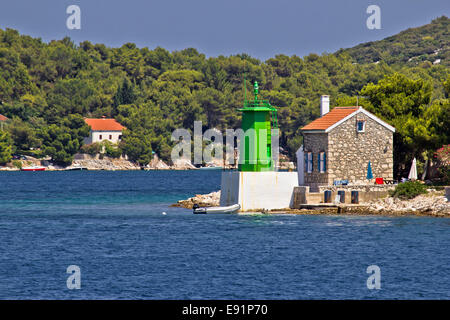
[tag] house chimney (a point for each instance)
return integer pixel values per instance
(324, 105)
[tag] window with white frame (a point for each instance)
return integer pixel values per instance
(322, 162)
(309, 162)
(361, 125)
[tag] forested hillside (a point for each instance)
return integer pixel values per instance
(413, 46)
(47, 88)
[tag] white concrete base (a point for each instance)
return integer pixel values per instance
(258, 190)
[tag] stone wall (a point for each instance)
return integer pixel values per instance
(366, 193)
(302, 195)
(315, 143)
(349, 151)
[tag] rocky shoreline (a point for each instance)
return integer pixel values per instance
(96, 162)
(433, 203)
(102, 162)
(77, 164)
(203, 200)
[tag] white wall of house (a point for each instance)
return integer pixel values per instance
(100, 136)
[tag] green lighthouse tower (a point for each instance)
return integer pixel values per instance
(257, 185)
(258, 118)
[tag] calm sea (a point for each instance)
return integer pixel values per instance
(111, 225)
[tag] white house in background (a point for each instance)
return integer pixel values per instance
(104, 129)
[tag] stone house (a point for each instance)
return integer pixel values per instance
(339, 145)
(104, 129)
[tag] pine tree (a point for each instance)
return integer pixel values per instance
(124, 93)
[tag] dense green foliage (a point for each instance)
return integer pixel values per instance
(421, 126)
(137, 146)
(105, 147)
(111, 150)
(413, 46)
(409, 190)
(91, 149)
(46, 89)
(62, 141)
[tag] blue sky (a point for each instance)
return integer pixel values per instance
(260, 28)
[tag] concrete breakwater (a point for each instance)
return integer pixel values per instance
(433, 203)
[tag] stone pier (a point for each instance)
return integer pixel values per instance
(366, 193)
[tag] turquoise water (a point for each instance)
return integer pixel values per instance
(111, 225)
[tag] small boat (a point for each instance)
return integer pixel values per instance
(211, 166)
(76, 169)
(204, 210)
(33, 168)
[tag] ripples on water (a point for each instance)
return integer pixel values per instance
(111, 225)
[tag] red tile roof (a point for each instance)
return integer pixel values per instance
(335, 115)
(104, 124)
(3, 118)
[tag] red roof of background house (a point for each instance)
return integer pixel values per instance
(3, 118)
(104, 124)
(335, 115)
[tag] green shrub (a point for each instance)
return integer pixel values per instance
(17, 164)
(91, 149)
(137, 146)
(112, 150)
(409, 190)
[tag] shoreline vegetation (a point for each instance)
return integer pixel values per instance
(433, 203)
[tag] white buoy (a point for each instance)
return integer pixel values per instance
(164, 213)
